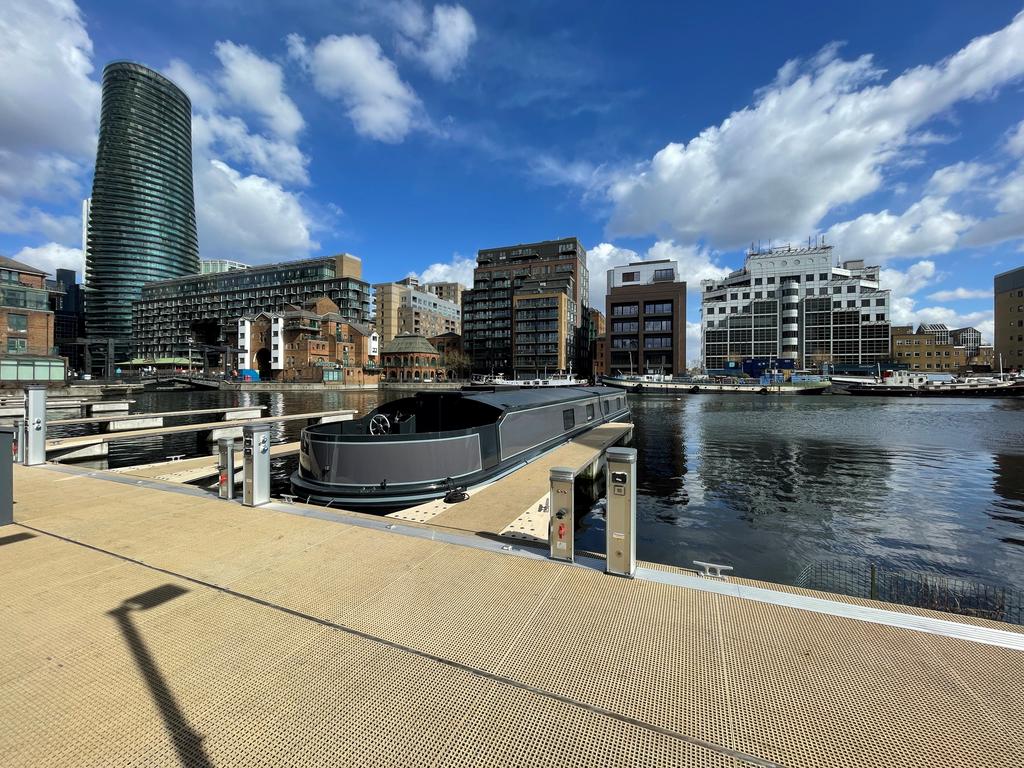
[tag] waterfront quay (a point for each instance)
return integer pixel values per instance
(151, 623)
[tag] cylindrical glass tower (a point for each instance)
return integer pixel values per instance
(142, 220)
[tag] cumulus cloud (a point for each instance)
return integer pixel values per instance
(906, 284)
(695, 264)
(49, 113)
(458, 270)
(928, 226)
(354, 69)
(818, 137)
(53, 256)
(960, 293)
(278, 159)
(248, 217)
(956, 178)
(1015, 140)
(1007, 194)
(441, 46)
(257, 84)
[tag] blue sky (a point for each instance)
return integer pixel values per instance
(413, 134)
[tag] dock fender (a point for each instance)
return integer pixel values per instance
(763, 391)
(694, 390)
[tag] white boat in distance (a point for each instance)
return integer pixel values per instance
(555, 380)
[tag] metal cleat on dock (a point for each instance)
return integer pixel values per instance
(712, 570)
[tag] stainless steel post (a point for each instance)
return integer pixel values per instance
(6, 476)
(620, 518)
(35, 424)
(19, 441)
(560, 505)
(226, 479)
(255, 464)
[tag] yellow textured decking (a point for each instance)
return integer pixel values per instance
(198, 468)
(495, 507)
(289, 640)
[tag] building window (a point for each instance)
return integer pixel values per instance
(734, 297)
(746, 295)
(664, 274)
(879, 302)
(568, 418)
(658, 308)
(770, 280)
(17, 323)
(865, 302)
(851, 304)
(630, 277)
(758, 281)
(851, 289)
(823, 275)
(809, 278)
(16, 346)
(880, 317)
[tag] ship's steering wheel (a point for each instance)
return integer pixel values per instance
(380, 424)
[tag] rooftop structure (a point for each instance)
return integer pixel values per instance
(213, 266)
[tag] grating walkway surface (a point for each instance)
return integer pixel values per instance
(198, 468)
(495, 507)
(168, 628)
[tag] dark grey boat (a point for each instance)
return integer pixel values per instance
(422, 447)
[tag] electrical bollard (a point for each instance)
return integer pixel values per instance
(255, 464)
(6, 476)
(620, 518)
(18, 446)
(560, 505)
(226, 481)
(35, 424)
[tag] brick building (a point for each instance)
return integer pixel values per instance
(26, 325)
(409, 357)
(932, 349)
(1009, 319)
(646, 311)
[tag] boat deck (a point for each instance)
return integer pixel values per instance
(152, 624)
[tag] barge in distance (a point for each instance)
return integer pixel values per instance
(420, 448)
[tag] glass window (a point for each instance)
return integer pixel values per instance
(810, 277)
(630, 277)
(590, 411)
(663, 274)
(604, 406)
(770, 280)
(568, 418)
(16, 346)
(758, 281)
(879, 302)
(823, 275)
(851, 289)
(17, 323)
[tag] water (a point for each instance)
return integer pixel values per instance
(770, 484)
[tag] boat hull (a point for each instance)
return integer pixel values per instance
(341, 464)
(979, 391)
(710, 388)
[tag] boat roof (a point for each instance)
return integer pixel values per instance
(521, 398)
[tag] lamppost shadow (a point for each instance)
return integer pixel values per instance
(187, 743)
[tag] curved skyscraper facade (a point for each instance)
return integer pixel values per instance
(142, 219)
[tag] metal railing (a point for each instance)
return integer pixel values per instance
(920, 590)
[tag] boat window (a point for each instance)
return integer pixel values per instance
(604, 406)
(569, 418)
(590, 411)
(618, 403)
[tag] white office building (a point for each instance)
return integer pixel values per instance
(796, 304)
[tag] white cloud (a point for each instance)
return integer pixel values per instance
(280, 160)
(1008, 224)
(695, 264)
(926, 227)
(443, 46)
(819, 137)
(694, 341)
(353, 68)
(1015, 140)
(905, 284)
(956, 178)
(48, 100)
(257, 84)
(960, 293)
(200, 92)
(458, 270)
(248, 216)
(53, 256)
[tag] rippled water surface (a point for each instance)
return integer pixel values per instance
(771, 484)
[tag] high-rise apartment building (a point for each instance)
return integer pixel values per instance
(407, 307)
(1009, 319)
(796, 304)
(175, 315)
(502, 273)
(141, 217)
(540, 322)
(646, 319)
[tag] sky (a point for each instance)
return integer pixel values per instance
(413, 134)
